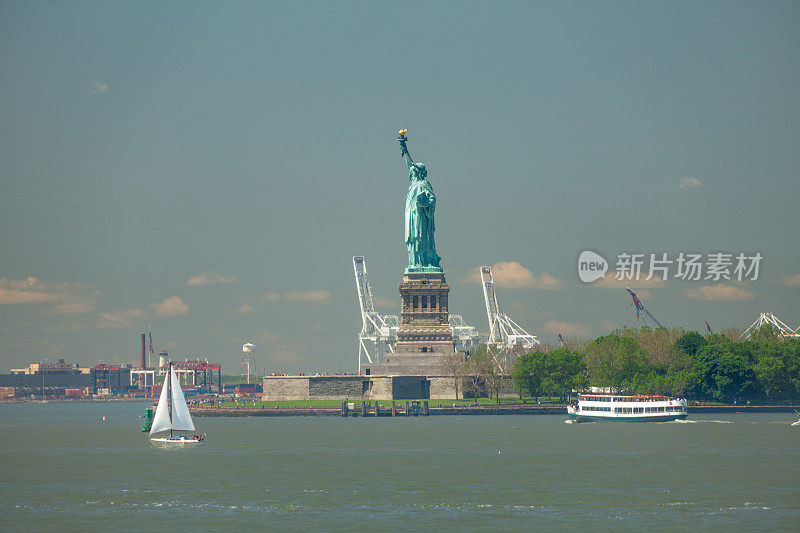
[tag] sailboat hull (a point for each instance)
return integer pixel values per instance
(176, 440)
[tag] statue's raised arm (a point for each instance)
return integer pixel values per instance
(401, 138)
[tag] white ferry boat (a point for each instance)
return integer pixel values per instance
(621, 408)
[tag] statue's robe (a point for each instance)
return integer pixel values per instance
(420, 206)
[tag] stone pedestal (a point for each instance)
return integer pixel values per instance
(424, 324)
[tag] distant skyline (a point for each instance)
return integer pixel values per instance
(208, 170)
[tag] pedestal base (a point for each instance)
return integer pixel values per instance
(424, 316)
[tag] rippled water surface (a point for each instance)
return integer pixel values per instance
(63, 468)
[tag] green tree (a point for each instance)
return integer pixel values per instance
(723, 373)
(527, 374)
(690, 342)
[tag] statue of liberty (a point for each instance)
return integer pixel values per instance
(420, 206)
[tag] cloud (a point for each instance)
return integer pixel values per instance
(689, 183)
(610, 281)
(172, 306)
(266, 337)
(386, 303)
(98, 87)
(791, 281)
(69, 298)
(74, 308)
(119, 318)
(244, 309)
(208, 278)
(316, 297)
(513, 275)
(718, 293)
(283, 356)
(573, 329)
(272, 297)
(16, 296)
(53, 349)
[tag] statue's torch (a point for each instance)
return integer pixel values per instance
(401, 138)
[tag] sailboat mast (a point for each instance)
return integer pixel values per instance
(169, 396)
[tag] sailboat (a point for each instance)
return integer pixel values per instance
(175, 419)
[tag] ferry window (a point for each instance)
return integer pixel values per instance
(433, 302)
(416, 302)
(424, 302)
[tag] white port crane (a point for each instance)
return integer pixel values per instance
(504, 333)
(772, 320)
(465, 337)
(378, 332)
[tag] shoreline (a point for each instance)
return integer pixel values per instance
(513, 409)
(477, 410)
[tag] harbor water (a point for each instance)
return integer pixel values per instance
(66, 469)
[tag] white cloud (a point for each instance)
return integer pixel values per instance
(98, 87)
(74, 308)
(791, 281)
(719, 293)
(573, 329)
(16, 296)
(386, 303)
(69, 298)
(316, 297)
(689, 183)
(283, 356)
(513, 275)
(272, 297)
(610, 281)
(53, 349)
(266, 337)
(208, 278)
(119, 318)
(244, 309)
(172, 306)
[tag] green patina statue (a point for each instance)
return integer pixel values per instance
(420, 206)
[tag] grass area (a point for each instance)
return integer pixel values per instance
(283, 404)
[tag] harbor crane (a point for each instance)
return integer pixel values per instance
(378, 332)
(504, 333)
(641, 310)
(772, 320)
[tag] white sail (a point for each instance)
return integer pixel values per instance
(181, 419)
(161, 421)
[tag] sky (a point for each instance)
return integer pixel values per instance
(209, 169)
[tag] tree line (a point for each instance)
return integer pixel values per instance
(715, 367)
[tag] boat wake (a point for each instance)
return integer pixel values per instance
(701, 421)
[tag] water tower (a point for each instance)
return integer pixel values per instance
(248, 361)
